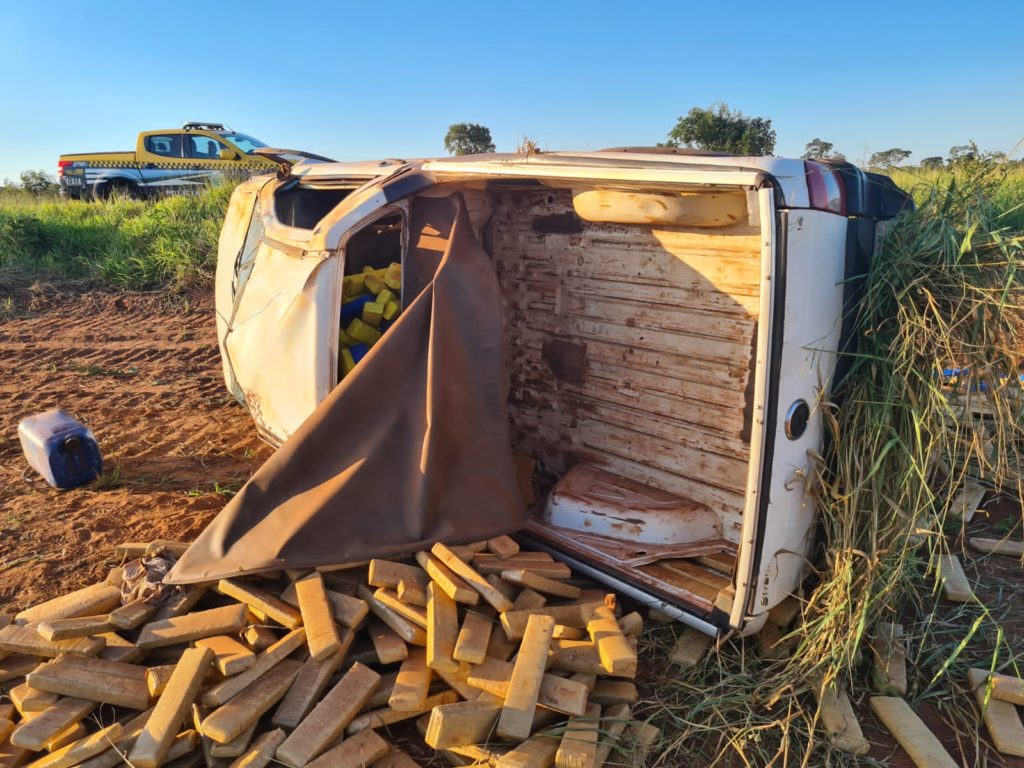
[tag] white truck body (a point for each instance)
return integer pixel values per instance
(672, 325)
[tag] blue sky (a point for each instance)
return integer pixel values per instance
(384, 79)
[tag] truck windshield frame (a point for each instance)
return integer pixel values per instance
(243, 141)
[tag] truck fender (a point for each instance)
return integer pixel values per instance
(109, 178)
(130, 175)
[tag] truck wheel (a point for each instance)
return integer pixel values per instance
(116, 188)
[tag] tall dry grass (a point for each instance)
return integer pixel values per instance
(1004, 185)
(944, 292)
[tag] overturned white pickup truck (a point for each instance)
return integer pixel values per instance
(664, 328)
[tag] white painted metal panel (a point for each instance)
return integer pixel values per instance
(280, 340)
(232, 240)
(814, 295)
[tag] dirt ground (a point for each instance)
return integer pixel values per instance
(143, 372)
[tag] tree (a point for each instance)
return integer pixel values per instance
(37, 182)
(468, 139)
(932, 163)
(818, 148)
(963, 153)
(721, 129)
(966, 154)
(889, 157)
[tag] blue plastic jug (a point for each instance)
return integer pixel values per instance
(60, 449)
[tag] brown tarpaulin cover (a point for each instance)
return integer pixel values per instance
(411, 448)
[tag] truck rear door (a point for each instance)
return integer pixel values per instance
(806, 313)
(204, 149)
(165, 163)
(822, 251)
(161, 159)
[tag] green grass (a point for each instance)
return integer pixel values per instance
(1004, 186)
(170, 242)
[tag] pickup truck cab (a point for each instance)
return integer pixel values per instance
(671, 328)
(170, 160)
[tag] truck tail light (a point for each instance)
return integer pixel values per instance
(61, 165)
(825, 188)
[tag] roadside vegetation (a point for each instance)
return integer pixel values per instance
(944, 291)
(171, 242)
(166, 243)
(1002, 184)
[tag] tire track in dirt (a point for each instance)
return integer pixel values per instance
(143, 372)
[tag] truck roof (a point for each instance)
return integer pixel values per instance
(356, 169)
(618, 162)
(182, 129)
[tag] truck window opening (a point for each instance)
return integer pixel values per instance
(302, 207)
(371, 289)
(244, 142)
(375, 246)
(205, 148)
(167, 146)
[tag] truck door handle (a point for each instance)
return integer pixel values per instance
(150, 165)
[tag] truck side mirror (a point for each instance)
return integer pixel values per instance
(229, 154)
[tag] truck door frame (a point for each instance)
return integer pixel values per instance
(187, 146)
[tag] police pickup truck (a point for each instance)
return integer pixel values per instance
(172, 160)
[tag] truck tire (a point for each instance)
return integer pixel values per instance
(116, 188)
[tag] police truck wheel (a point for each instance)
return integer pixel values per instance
(116, 189)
